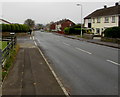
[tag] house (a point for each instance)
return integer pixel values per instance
(103, 18)
(59, 26)
(62, 24)
(52, 27)
(47, 27)
(2, 21)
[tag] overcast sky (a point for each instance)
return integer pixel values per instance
(45, 12)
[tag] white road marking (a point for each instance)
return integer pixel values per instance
(33, 38)
(113, 62)
(35, 43)
(54, 74)
(66, 44)
(83, 50)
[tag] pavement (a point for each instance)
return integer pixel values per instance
(84, 68)
(30, 74)
(95, 41)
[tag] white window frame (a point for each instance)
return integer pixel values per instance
(113, 19)
(89, 20)
(106, 20)
(98, 20)
(93, 20)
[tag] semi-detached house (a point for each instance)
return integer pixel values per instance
(104, 18)
(59, 26)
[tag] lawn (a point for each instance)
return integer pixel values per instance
(3, 44)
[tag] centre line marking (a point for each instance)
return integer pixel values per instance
(113, 62)
(83, 50)
(66, 44)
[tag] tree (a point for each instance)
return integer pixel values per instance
(30, 23)
(39, 26)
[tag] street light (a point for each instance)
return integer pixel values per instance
(81, 18)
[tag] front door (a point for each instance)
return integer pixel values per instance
(98, 31)
(89, 25)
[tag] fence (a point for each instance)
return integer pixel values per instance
(11, 42)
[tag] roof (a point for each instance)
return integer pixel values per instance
(5, 21)
(64, 20)
(105, 12)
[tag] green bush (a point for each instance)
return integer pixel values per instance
(17, 28)
(14, 28)
(8, 28)
(4, 27)
(66, 30)
(73, 30)
(113, 32)
(76, 26)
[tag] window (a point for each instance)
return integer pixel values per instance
(106, 19)
(89, 20)
(113, 19)
(98, 20)
(93, 20)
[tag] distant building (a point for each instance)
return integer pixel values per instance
(2, 21)
(62, 24)
(59, 26)
(52, 27)
(104, 18)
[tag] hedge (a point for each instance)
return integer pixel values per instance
(14, 28)
(73, 30)
(113, 32)
(66, 30)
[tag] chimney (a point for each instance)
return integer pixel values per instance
(105, 6)
(116, 4)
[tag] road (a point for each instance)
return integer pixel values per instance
(84, 68)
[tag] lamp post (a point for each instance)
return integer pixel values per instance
(81, 18)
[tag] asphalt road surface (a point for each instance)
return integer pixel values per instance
(84, 68)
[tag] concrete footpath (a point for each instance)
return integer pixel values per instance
(95, 41)
(30, 74)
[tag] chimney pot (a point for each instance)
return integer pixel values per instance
(116, 4)
(105, 6)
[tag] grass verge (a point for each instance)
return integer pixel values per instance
(9, 61)
(112, 40)
(3, 44)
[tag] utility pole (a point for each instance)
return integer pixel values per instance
(81, 19)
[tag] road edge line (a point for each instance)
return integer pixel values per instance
(54, 74)
(113, 62)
